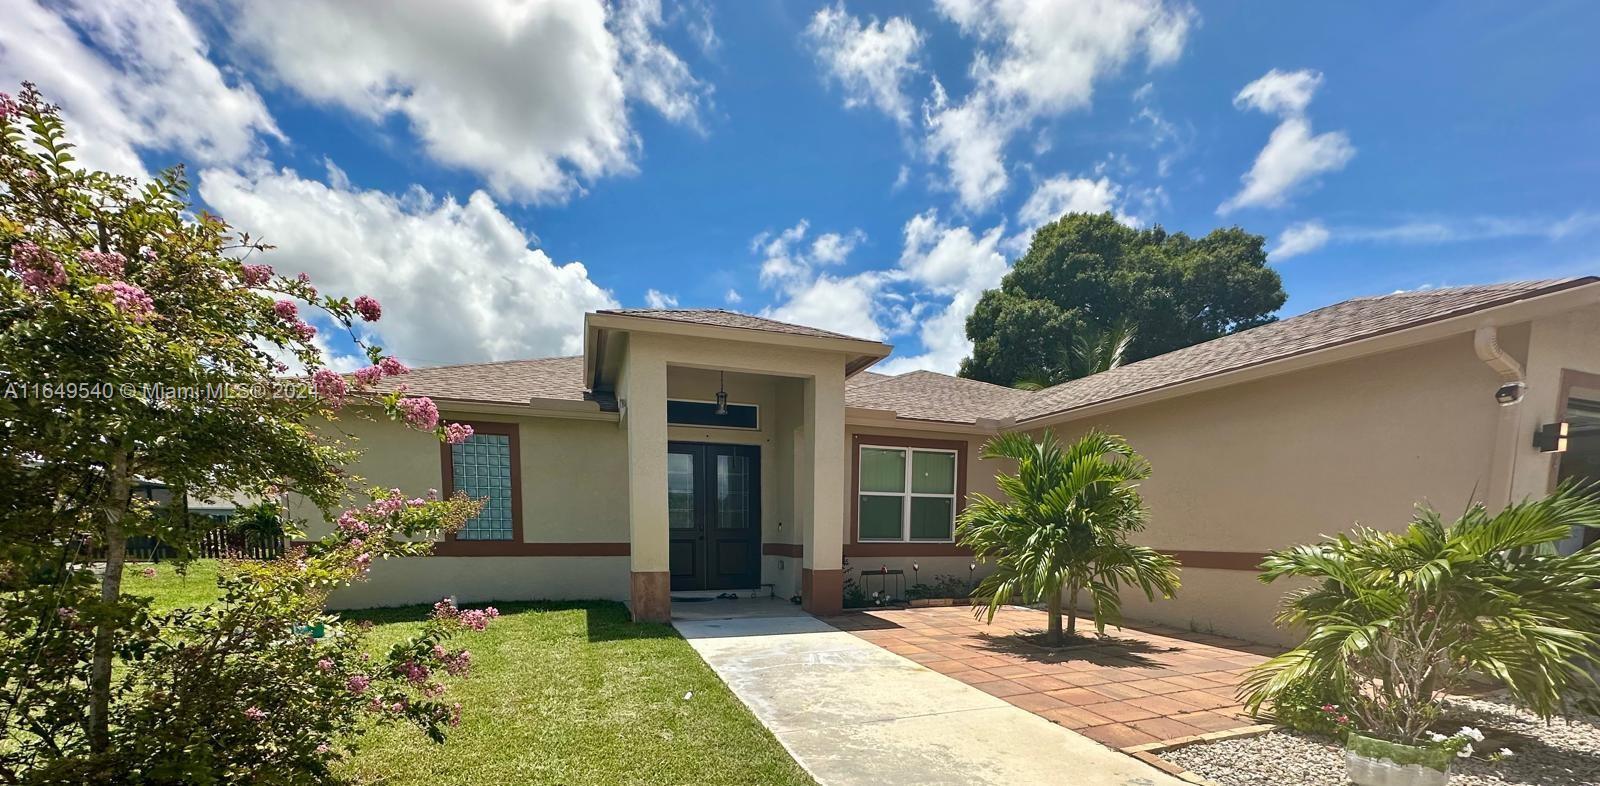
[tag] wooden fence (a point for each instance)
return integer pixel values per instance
(219, 543)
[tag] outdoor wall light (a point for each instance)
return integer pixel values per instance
(722, 394)
(1510, 393)
(914, 568)
(1551, 438)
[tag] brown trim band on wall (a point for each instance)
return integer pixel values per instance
(853, 546)
(912, 549)
(450, 547)
(794, 550)
(503, 548)
(1218, 560)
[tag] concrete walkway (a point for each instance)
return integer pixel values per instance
(851, 712)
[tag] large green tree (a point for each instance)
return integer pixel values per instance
(1087, 274)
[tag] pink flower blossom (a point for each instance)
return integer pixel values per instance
(455, 714)
(109, 263)
(358, 683)
(39, 269)
(324, 665)
(129, 299)
(311, 291)
(148, 573)
(322, 748)
(67, 614)
(457, 433)
(368, 376)
(329, 385)
(478, 619)
(8, 107)
(456, 664)
(420, 411)
(368, 308)
(256, 275)
(255, 714)
(286, 310)
(304, 330)
(392, 367)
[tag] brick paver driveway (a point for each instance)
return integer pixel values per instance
(1143, 684)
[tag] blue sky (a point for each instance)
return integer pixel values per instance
(492, 171)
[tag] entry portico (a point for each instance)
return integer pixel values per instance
(647, 359)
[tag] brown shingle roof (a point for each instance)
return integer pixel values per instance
(720, 318)
(928, 395)
(505, 382)
(1340, 323)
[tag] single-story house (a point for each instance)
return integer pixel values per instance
(697, 450)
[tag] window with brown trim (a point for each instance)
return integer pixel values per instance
(486, 467)
(906, 490)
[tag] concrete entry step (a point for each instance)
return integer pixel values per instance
(851, 712)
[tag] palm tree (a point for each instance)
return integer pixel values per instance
(1397, 620)
(1065, 528)
(1091, 352)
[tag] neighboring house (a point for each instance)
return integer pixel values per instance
(612, 474)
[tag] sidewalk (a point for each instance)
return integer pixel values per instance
(851, 712)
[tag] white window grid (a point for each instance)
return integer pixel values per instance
(908, 494)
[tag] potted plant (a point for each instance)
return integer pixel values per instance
(1396, 621)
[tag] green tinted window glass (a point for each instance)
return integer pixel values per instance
(481, 467)
(933, 473)
(883, 470)
(930, 518)
(880, 517)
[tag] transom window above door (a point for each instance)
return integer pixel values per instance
(905, 494)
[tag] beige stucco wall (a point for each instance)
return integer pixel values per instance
(1287, 460)
(571, 474)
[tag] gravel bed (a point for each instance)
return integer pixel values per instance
(1560, 753)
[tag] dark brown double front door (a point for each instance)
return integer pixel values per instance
(714, 515)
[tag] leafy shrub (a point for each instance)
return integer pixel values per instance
(854, 596)
(1310, 707)
(1398, 620)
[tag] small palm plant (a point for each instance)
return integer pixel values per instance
(1398, 620)
(1065, 528)
(1091, 352)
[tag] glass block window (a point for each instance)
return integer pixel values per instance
(481, 467)
(906, 494)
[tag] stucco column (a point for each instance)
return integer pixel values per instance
(822, 563)
(644, 396)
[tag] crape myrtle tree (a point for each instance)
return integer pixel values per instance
(139, 340)
(1086, 277)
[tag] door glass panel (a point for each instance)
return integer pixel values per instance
(883, 470)
(933, 473)
(680, 491)
(930, 518)
(880, 517)
(733, 492)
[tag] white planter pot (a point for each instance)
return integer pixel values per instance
(1369, 771)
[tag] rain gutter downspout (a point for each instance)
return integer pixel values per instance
(1503, 456)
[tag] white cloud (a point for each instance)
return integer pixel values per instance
(953, 262)
(1280, 93)
(1293, 155)
(651, 71)
(150, 85)
(1062, 194)
(732, 296)
(532, 96)
(844, 304)
(901, 178)
(655, 298)
(1307, 236)
(870, 61)
(831, 248)
(1302, 238)
(1042, 58)
(458, 280)
(1170, 142)
(942, 271)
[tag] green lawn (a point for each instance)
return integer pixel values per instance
(560, 693)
